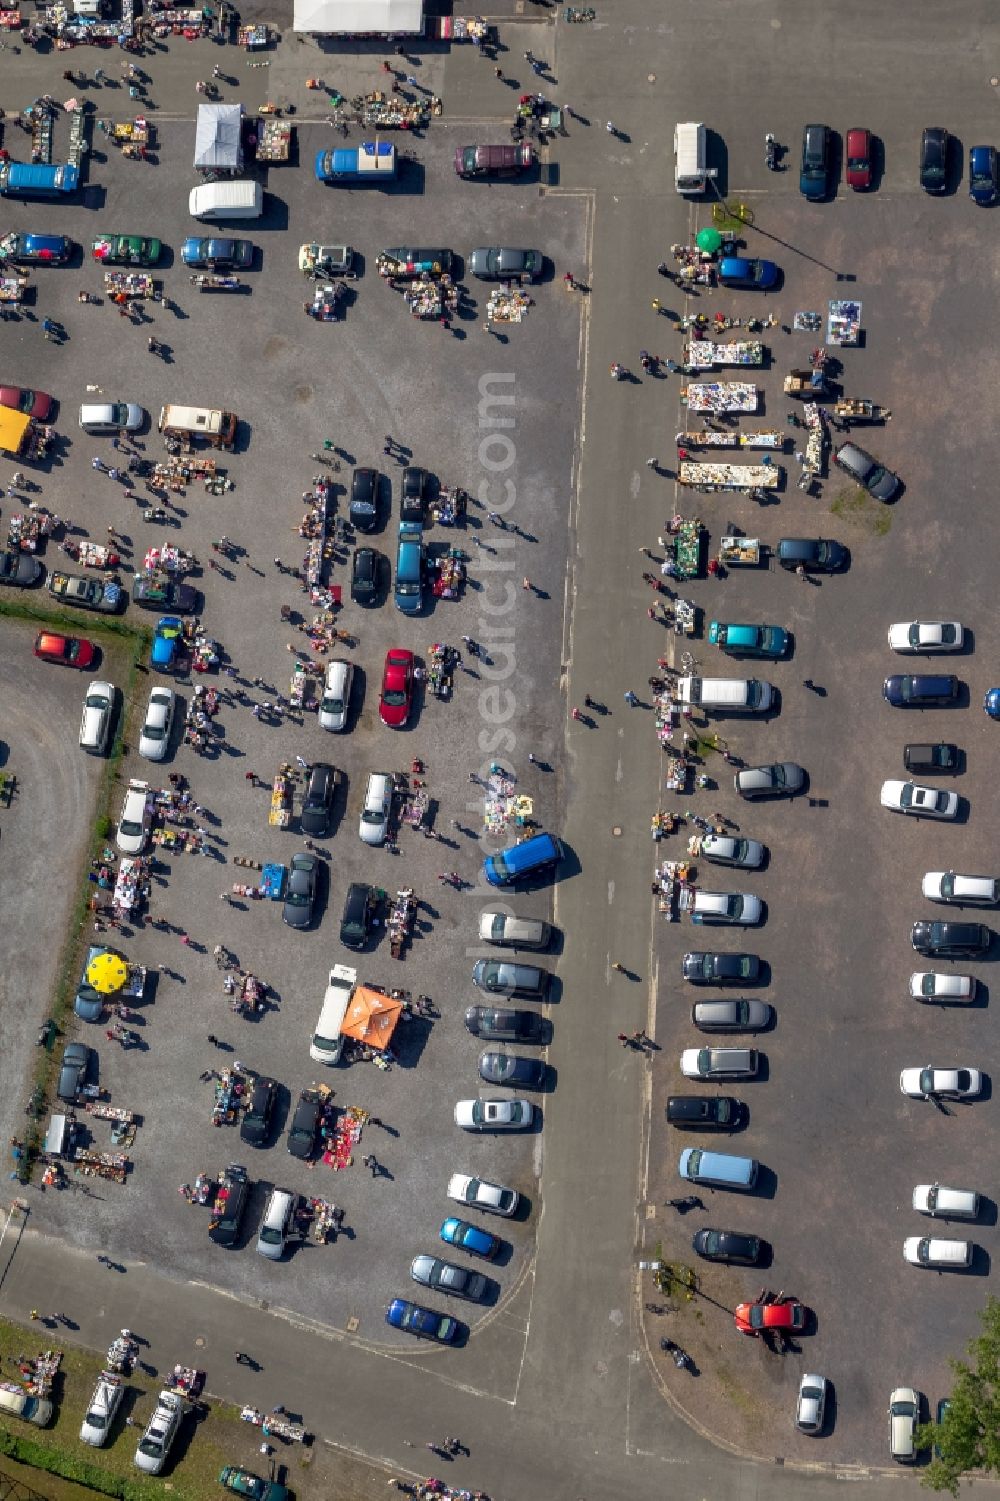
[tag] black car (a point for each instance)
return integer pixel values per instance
(705, 1112)
(366, 576)
(862, 466)
(73, 1073)
(814, 172)
(300, 893)
(414, 261)
(934, 159)
(507, 1068)
(950, 940)
(164, 596)
(230, 1202)
(302, 1131)
(709, 968)
(728, 1245)
(814, 554)
(413, 495)
(320, 790)
(916, 690)
(19, 570)
(931, 758)
(501, 1025)
(364, 499)
(360, 906)
(256, 1124)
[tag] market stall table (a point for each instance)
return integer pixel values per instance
(231, 1091)
(854, 410)
(431, 297)
(24, 532)
(708, 439)
(132, 884)
(843, 323)
(95, 555)
(687, 539)
(815, 440)
(506, 305)
(274, 141)
(705, 354)
(720, 396)
(280, 815)
(12, 287)
(392, 112)
(131, 284)
(739, 552)
(212, 282)
(326, 299)
(731, 476)
(112, 1166)
(402, 916)
(450, 575)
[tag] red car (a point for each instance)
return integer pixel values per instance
(397, 688)
(751, 1318)
(32, 403)
(858, 156)
(73, 651)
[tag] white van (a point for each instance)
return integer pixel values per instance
(240, 198)
(327, 1042)
(946, 1203)
(691, 172)
(725, 695)
(904, 1415)
(95, 724)
(211, 423)
(922, 1251)
(375, 809)
(15, 1402)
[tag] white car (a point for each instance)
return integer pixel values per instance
(933, 985)
(336, 700)
(723, 849)
(95, 725)
(955, 1083)
(161, 1430)
(491, 1197)
(136, 816)
(923, 802)
(921, 1250)
(494, 1115)
(719, 1063)
(810, 1409)
(946, 1203)
(100, 1414)
(926, 635)
(965, 891)
(154, 737)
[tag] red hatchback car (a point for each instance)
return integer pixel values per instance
(73, 651)
(858, 156)
(752, 1318)
(397, 688)
(33, 403)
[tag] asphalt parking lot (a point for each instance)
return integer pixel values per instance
(294, 383)
(840, 1147)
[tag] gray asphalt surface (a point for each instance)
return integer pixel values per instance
(612, 1426)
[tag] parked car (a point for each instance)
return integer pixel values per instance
(73, 1071)
(915, 798)
(731, 1016)
(729, 907)
(788, 1315)
(301, 1140)
(335, 703)
(934, 149)
(946, 1203)
(499, 1025)
(983, 185)
(964, 891)
(507, 931)
(503, 977)
(932, 985)
(164, 594)
(95, 721)
(19, 570)
(413, 494)
(243, 1482)
(705, 1112)
(317, 803)
(101, 1409)
(154, 737)
(168, 643)
(258, 1118)
(494, 161)
(446, 1277)
(493, 1198)
(503, 263)
(360, 906)
(216, 254)
(810, 1407)
(858, 158)
(950, 940)
(396, 697)
(104, 596)
(417, 261)
(494, 1115)
(300, 892)
(507, 1068)
(768, 641)
(728, 1245)
(38, 250)
(111, 417)
(941, 1083)
(227, 1215)
(367, 575)
(724, 849)
(904, 1415)
(455, 1232)
(926, 635)
(814, 173)
(748, 272)
(934, 759)
(707, 967)
(719, 1063)
(991, 703)
(71, 651)
(879, 481)
(37, 404)
(926, 1250)
(423, 1322)
(363, 507)
(160, 1432)
(135, 819)
(126, 250)
(277, 1224)
(779, 779)
(814, 554)
(920, 690)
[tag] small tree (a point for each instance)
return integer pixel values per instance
(968, 1437)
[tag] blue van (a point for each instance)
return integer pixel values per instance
(38, 179)
(408, 593)
(532, 857)
(743, 271)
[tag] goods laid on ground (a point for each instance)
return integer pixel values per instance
(720, 396)
(705, 354)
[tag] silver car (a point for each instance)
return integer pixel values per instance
(446, 1277)
(336, 700)
(510, 932)
(731, 1016)
(723, 849)
(810, 1409)
(154, 737)
(494, 1115)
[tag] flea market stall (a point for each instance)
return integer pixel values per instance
(731, 476)
(274, 140)
(843, 323)
(705, 354)
(708, 438)
(218, 140)
(720, 396)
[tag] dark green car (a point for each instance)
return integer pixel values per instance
(126, 250)
(245, 1483)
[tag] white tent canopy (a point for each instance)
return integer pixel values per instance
(354, 17)
(218, 140)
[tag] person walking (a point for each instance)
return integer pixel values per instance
(631, 698)
(619, 967)
(652, 463)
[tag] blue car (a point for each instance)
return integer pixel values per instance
(217, 254)
(738, 271)
(456, 1232)
(814, 173)
(991, 703)
(748, 640)
(983, 175)
(423, 1322)
(167, 642)
(41, 250)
